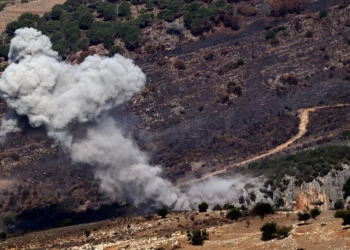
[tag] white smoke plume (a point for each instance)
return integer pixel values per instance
(59, 96)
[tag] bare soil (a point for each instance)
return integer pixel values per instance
(39, 7)
(152, 232)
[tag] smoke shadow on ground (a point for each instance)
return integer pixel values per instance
(53, 215)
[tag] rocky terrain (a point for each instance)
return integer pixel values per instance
(151, 232)
(212, 103)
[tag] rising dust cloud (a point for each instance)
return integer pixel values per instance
(63, 97)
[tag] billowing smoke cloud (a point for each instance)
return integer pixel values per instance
(60, 96)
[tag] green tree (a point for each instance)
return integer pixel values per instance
(84, 43)
(323, 13)
(268, 230)
(72, 5)
(279, 203)
(340, 213)
(262, 209)
(346, 188)
(339, 204)
(217, 208)
(162, 212)
(203, 207)
(124, 9)
(234, 214)
(197, 237)
(4, 51)
(283, 231)
(228, 207)
(57, 11)
(114, 50)
(86, 20)
(346, 219)
(304, 216)
(270, 34)
(314, 213)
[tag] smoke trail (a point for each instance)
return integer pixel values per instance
(62, 97)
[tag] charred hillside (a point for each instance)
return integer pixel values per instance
(218, 93)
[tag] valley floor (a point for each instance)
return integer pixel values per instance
(151, 232)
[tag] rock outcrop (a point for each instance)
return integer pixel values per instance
(322, 191)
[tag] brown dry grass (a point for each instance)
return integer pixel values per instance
(11, 13)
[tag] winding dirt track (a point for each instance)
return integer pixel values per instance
(304, 121)
(39, 7)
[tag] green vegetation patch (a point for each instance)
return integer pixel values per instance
(305, 166)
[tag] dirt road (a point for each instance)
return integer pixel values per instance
(11, 13)
(304, 121)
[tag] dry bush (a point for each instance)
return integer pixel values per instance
(179, 64)
(161, 62)
(209, 56)
(289, 79)
(13, 155)
(247, 10)
(283, 7)
(347, 22)
(175, 28)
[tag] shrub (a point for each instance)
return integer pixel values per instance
(175, 28)
(4, 51)
(228, 207)
(279, 203)
(71, 5)
(323, 13)
(314, 213)
(114, 50)
(346, 219)
(162, 212)
(217, 208)
(86, 20)
(84, 43)
(3, 236)
(304, 216)
(346, 188)
(320, 160)
(262, 209)
(340, 213)
(107, 10)
(339, 204)
(234, 214)
(2, 68)
(247, 10)
(283, 231)
(308, 34)
(129, 33)
(197, 237)
(240, 62)
(270, 34)
(180, 65)
(203, 207)
(124, 9)
(347, 22)
(268, 230)
(56, 11)
(87, 233)
(283, 7)
(231, 84)
(66, 222)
